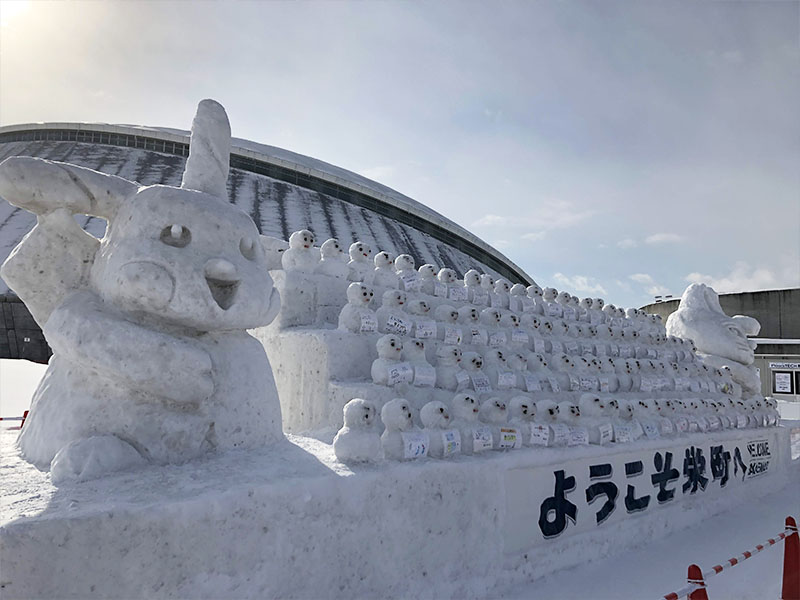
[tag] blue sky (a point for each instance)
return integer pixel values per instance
(621, 149)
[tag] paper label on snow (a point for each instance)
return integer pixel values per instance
(426, 328)
(600, 349)
(514, 305)
(481, 439)
(623, 433)
(553, 385)
(369, 324)
(560, 434)
(398, 325)
(646, 384)
(578, 436)
(480, 296)
(458, 293)
(626, 352)
(506, 380)
(556, 346)
(495, 300)
(636, 429)
(651, 353)
(693, 425)
(714, 423)
(569, 313)
(452, 335)
(480, 383)
(498, 339)
(532, 383)
(553, 310)
(741, 421)
(604, 385)
(682, 424)
(424, 375)
(666, 426)
(606, 433)
(538, 345)
(415, 444)
(702, 423)
(462, 378)
(574, 383)
(528, 306)
(440, 289)
(703, 386)
(587, 349)
(613, 349)
(509, 438)
(651, 430)
(410, 281)
(694, 385)
(588, 383)
(596, 318)
(400, 373)
(540, 434)
(451, 442)
(518, 336)
(572, 348)
(479, 336)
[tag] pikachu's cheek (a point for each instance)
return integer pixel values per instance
(144, 285)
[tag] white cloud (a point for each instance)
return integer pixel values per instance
(627, 243)
(580, 283)
(663, 238)
(548, 215)
(651, 287)
(744, 278)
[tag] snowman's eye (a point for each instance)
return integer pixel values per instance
(176, 236)
(441, 410)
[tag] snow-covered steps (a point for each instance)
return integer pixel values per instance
(290, 521)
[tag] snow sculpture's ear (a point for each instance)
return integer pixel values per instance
(43, 186)
(699, 296)
(209, 151)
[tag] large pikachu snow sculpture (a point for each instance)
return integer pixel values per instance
(147, 325)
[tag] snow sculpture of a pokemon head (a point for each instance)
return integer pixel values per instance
(147, 325)
(720, 340)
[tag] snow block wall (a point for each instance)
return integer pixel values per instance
(295, 523)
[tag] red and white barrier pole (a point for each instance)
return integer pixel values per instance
(791, 562)
(20, 419)
(696, 590)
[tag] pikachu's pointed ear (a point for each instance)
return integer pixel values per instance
(209, 151)
(43, 186)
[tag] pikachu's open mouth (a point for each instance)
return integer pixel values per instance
(223, 291)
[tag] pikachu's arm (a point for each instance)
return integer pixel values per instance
(42, 186)
(83, 330)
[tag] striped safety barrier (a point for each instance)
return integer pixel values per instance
(20, 419)
(696, 588)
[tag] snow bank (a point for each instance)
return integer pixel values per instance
(292, 522)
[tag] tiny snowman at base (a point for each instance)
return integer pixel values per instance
(357, 440)
(437, 424)
(401, 440)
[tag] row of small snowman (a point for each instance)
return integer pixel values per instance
(478, 289)
(405, 362)
(500, 328)
(471, 427)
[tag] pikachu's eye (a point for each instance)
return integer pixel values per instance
(176, 236)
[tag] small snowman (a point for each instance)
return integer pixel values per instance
(456, 291)
(414, 354)
(475, 437)
(392, 316)
(475, 293)
(356, 316)
(499, 298)
(547, 415)
(360, 265)
(301, 255)
(427, 281)
(627, 419)
(593, 417)
(401, 440)
(522, 414)
(447, 329)
(407, 274)
(569, 414)
(535, 293)
(384, 275)
(474, 333)
(423, 326)
(493, 413)
(490, 319)
(389, 368)
(500, 375)
(518, 300)
(332, 261)
(449, 374)
(472, 363)
(445, 441)
(357, 441)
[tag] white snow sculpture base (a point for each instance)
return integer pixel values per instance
(290, 522)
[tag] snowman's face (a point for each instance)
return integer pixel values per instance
(419, 345)
(390, 346)
(476, 362)
(383, 260)
(427, 271)
(404, 262)
(331, 248)
(302, 239)
(514, 319)
(472, 278)
(360, 252)
(575, 412)
(359, 294)
(394, 298)
(553, 412)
